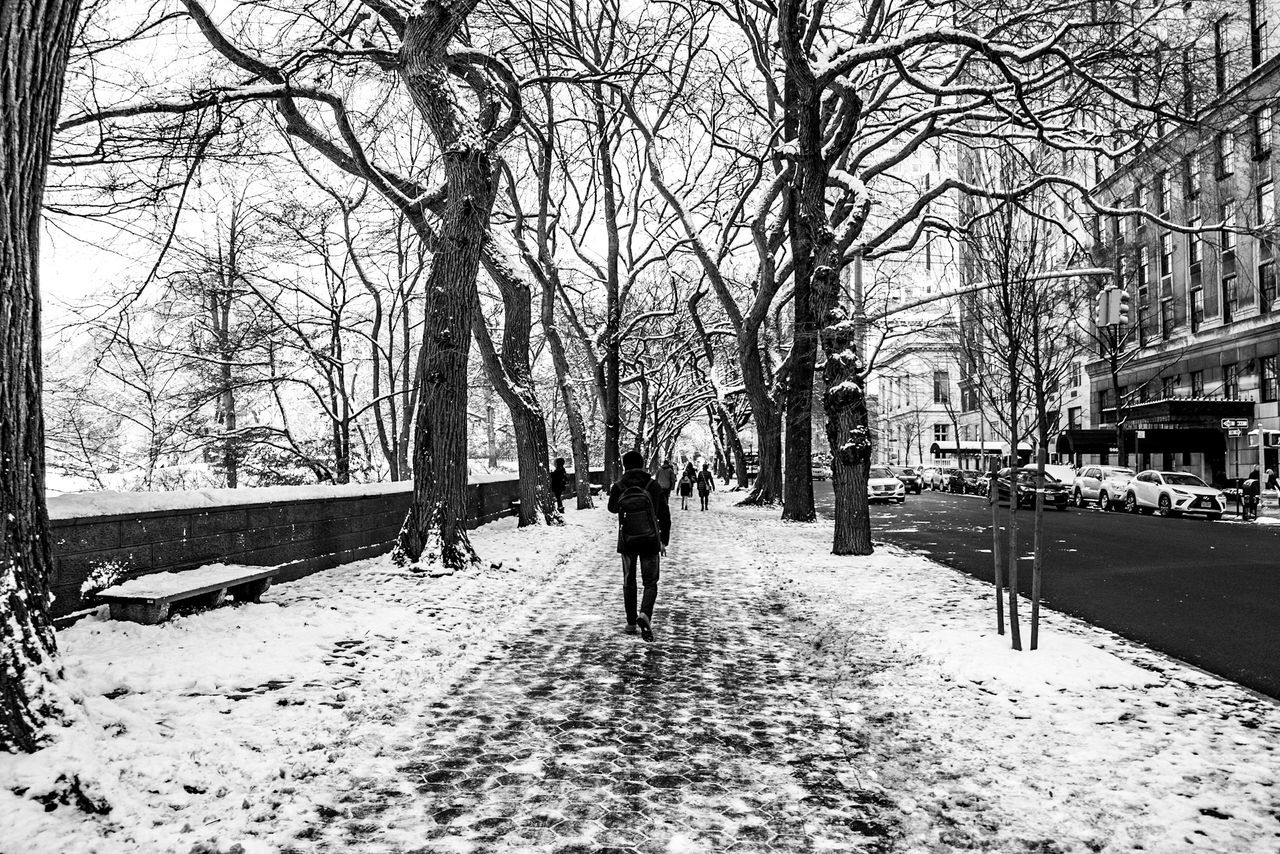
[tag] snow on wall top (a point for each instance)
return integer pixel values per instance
(80, 505)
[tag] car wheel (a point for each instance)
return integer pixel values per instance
(1104, 503)
(1166, 506)
(1130, 503)
(902, 500)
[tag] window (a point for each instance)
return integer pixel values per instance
(1073, 417)
(1197, 383)
(1168, 318)
(1168, 387)
(1166, 258)
(1074, 375)
(941, 387)
(1231, 381)
(1191, 175)
(1223, 155)
(1197, 309)
(1260, 132)
(940, 432)
(1267, 369)
(1257, 33)
(1141, 201)
(1265, 202)
(1229, 297)
(1220, 53)
(1104, 399)
(1266, 284)
(1228, 228)
(1144, 295)
(1164, 192)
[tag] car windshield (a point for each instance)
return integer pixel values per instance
(880, 471)
(1177, 478)
(1118, 472)
(908, 471)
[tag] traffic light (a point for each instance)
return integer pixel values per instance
(1120, 315)
(1103, 314)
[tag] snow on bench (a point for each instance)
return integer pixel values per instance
(148, 599)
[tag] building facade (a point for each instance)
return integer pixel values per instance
(1203, 347)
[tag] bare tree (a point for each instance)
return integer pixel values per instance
(35, 38)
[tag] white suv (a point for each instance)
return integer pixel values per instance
(1102, 484)
(1172, 493)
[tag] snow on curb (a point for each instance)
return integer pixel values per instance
(229, 726)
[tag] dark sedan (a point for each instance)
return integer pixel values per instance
(1055, 493)
(966, 482)
(911, 479)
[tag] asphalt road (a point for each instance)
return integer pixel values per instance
(1205, 592)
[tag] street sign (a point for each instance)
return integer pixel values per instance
(1233, 432)
(1235, 424)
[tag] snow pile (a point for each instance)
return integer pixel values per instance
(159, 584)
(226, 727)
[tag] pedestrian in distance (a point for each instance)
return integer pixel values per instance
(686, 486)
(728, 473)
(644, 529)
(706, 484)
(1249, 499)
(559, 482)
(666, 478)
(1272, 484)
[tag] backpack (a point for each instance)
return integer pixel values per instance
(686, 481)
(637, 520)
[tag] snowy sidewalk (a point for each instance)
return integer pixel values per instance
(580, 738)
(793, 701)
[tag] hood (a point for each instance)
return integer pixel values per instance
(634, 477)
(1194, 490)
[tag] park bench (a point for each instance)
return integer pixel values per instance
(148, 599)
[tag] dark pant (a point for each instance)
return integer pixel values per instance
(703, 496)
(649, 574)
(559, 501)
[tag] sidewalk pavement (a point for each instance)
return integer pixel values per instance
(793, 701)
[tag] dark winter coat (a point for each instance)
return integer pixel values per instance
(559, 480)
(640, 477)
(706, 482)
(686, 486)
(666, 477)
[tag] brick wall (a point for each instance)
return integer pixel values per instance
(302, 536)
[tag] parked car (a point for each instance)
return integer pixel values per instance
(1172, 493)
(883, 485)
(1055, 494)
(821, 471)
(967, 482)
(1065, 475)
(928, 476)
(1103, 485)
(911, 479)
(940, 479)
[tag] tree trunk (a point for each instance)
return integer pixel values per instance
(1015, 629)
(490, 424)
(993, 497)
(435, 528)
(35, 36)
(845, 405)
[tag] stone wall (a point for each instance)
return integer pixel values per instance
(301, 536)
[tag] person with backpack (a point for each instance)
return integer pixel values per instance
(644, 529)
(706, 484)
(686, 486)
(559, 480)
(666, 479)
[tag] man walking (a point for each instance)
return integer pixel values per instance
(644, 529)
(666, 480)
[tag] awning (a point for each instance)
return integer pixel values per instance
(1189, 412)
(992, 449)
(1155, 440)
